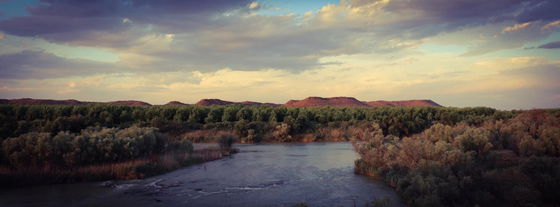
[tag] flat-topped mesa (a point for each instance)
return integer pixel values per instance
(353, 102)
(209, 102)
(333, 101)
(403, 103)
(175, 103)
(31, 101)
(308, 102)
(129, 103)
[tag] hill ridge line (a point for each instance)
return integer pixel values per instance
(312, 101)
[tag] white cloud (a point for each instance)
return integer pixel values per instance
(516, 27)
(551, 25)
(253, 5)
(126, 20)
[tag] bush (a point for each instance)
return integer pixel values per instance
(226, 141)
(93, 145)
(183, 146)
(496, 163)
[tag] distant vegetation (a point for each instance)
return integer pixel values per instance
(512, 162)
(433, 156)
(248, 123)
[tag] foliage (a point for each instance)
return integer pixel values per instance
(512, 162)
(433, 156)
(226, 141)
(257, 123)
(90, 146)
(132, 169)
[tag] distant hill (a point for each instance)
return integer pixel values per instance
(210, 102)
(130, 103)
(353, 102)
(175, 103)
(42, 101)
(308, 102)
(31, 101)
(319, 101)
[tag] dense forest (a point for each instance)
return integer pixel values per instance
(74, 135)
(254, 123)
(432, 156)
(68, 135)
(513, 162)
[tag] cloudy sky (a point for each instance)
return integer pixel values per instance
(501, 53)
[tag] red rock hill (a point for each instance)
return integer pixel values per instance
(175, 103)
(31, 101)
(130, 103)
(319, 101)
(41, 101)
(308, 102)
(209, 102)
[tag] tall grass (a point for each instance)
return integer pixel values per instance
(124, 170)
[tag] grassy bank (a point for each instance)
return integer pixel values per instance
(98, 154)
(125, 170)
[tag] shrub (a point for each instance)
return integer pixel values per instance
(470, 165)
(183, 146)
(226, 141)
(93, 145)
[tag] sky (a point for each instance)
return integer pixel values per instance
(503, 54)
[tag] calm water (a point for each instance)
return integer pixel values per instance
(319, 174)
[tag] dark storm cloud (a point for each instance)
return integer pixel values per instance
(208, 35)
(40, 65)
(187, 7)
(296, 51)
(69, 20)
(181, 15)
(540, 10)
(551, 45)
(453, 14)
(441, 16)
(66, 20)
(77, 21)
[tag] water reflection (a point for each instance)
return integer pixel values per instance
(319, 174)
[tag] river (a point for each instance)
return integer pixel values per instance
(318, 174)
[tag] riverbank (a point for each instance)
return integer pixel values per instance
(126, 170)
(317, 174)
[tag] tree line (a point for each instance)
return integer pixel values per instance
(258, 120)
